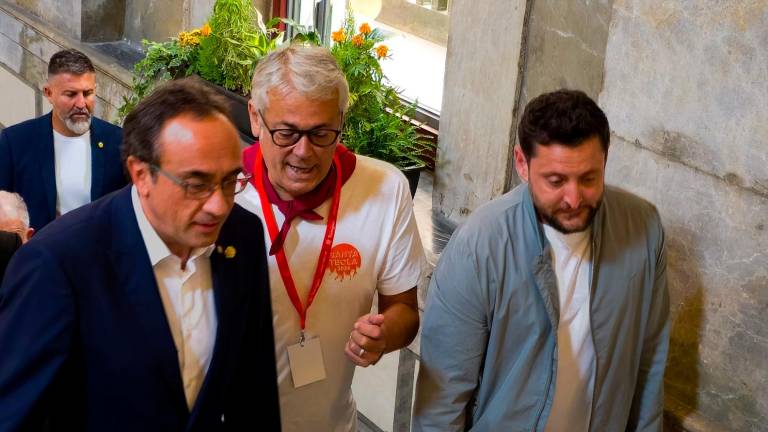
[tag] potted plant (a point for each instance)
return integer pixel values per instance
(377, 123)
(223, 52)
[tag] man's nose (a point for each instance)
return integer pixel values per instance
(218, 204)
(303, 147)
(80, 101)
(573, 195)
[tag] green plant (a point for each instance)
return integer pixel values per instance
(237, 42)
(224, 51)
(377, 123)
(163, 61)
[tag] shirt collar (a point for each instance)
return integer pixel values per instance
(156, 247)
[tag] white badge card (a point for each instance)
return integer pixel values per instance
(306, 362)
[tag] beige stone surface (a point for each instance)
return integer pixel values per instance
(21, 96)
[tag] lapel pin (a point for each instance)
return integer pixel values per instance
(101, 144)
(230, 252)
(219, 249)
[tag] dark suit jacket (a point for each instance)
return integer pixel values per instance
(86, 344)
(27, 164)
(9, 242)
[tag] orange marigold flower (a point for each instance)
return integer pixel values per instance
(357, 40)
(381, 51)
(365, 29)
(338, 36)
(205, 30)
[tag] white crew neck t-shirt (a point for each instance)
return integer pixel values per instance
(572, 262)
(72, 162)
(376, 249)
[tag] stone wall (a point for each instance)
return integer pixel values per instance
(64, 15)
(686, 92)
(26, 44)
(477, 117)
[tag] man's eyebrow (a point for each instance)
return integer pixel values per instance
(196, 174)
(208, 176)
(288, 125)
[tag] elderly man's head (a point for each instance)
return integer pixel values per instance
(71, 90)
(14, 216)
(297, 109)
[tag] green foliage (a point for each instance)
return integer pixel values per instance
(163, 61)
(238, 40)
(377, 123)
(224, 51)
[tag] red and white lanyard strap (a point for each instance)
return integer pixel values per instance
(325, 250)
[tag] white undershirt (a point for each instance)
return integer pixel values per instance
(187, 296)
(572, 261)
(72, 161)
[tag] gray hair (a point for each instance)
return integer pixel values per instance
(69, 61)
(12, 207)
(311, 71)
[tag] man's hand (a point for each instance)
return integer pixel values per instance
(367, 342)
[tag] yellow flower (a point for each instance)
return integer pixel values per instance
(188, 39)
(338, 36)
(381, 51)
(357, 40)
(365, 29)
(205, 30)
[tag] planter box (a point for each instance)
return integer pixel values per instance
(238, 107)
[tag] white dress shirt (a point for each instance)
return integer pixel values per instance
(187, 295)
(572, 261)
(72, 166)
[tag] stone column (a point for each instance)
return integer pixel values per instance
(480, 92)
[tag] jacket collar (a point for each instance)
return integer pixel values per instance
(543, 272)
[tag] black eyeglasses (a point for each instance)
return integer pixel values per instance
(287, 137)
(198, 190)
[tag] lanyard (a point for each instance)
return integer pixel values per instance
(325, 250)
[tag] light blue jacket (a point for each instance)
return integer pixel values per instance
(488, 343)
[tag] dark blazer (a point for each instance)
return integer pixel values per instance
(9, 242)
(86, 344)
(27, 164)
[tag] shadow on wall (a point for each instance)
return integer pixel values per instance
(681, 380)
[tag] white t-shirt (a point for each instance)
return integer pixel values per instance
(72, 162)
(572, 261)
(188, 301)
(376, 248)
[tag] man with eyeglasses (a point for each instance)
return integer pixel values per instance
(148, 309)
(341, 229)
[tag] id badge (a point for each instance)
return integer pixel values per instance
(306, 361)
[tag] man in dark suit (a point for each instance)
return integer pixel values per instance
(67, 157)
(148, 309)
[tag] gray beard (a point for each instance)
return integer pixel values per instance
(78, 127)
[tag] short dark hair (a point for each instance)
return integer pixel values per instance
(143, 125)
(69, 61)
(566, 117)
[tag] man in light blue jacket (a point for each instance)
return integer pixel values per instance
(549, 310)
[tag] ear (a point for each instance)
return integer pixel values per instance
(30, 233)
(254, 117)
(141, 176)
(521, 164)
(48, 91)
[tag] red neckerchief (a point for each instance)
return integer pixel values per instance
(302, 206)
